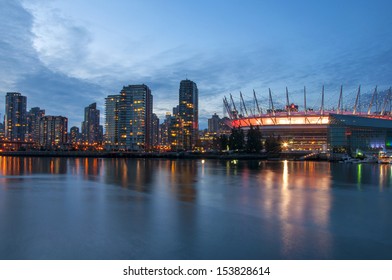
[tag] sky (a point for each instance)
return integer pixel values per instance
(66, 54)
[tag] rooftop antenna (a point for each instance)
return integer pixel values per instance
(371, 101)
(340, 103)
(357, 100)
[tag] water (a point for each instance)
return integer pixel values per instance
(59, 208)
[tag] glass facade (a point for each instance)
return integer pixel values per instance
(91, 129)
(53, 131)
(33, 118)
(112, 103)
(298, 137)
(351, 132)
(129, 119)
(188, 112)
(15, 120)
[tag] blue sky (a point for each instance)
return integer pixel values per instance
(66, 54)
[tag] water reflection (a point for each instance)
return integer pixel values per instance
(147, 208)
(297, 195)
(132, 174)
(363, 175)
(183, 178)
(13, 166)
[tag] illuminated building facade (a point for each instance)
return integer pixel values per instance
(352, 132)
(298, 132)
(213, 124)
(155, 131)
(172, 133)
(164, 130)
(129, 119)
(218, 126)
(74, 135)
(188, 112)
(319, 130)
(33, 118)
(112, 122)
(91, 129)
(53, 131)
(344, 131)
(15, 119)
(1, 131)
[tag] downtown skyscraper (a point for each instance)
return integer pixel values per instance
(91, 129)
(129, 119)
(33, 119)
(188, 112)
(53, 131)
(15, 119)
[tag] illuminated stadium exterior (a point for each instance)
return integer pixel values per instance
(319, 130)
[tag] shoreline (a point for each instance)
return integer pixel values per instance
(294, 156)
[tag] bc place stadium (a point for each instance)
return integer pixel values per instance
(320, 129)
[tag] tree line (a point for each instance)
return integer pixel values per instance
(251, 142)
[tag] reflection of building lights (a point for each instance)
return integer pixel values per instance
(203, 161)
(285, 174)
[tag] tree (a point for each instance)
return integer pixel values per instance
(236, 139)
(253, 144)
(223, 142)
(273, 145)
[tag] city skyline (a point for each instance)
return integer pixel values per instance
(54, 52)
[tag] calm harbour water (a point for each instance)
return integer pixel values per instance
(70, 208)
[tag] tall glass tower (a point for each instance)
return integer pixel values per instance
(15, 116)
(189, 112)
(91, 129)
(33, 118)
(129, 119)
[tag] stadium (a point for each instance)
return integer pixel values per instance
(339, 130)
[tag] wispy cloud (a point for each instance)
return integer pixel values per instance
(17, 57)
(22, 69)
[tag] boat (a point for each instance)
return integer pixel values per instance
(384, 157)
(367, 159)
(348, 159)
(370, 159)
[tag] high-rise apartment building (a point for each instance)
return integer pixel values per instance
(214, 124)
(53, 131)
(112, 122)
(1, 131)
(155, 131)
(176, 110)
(172, 133)
(139, 129)
(129, 119)
(225, 126)
(188, 112)
(164, 130)
(33, 118)
(15, 122)
(74, 135)
(91, 129)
